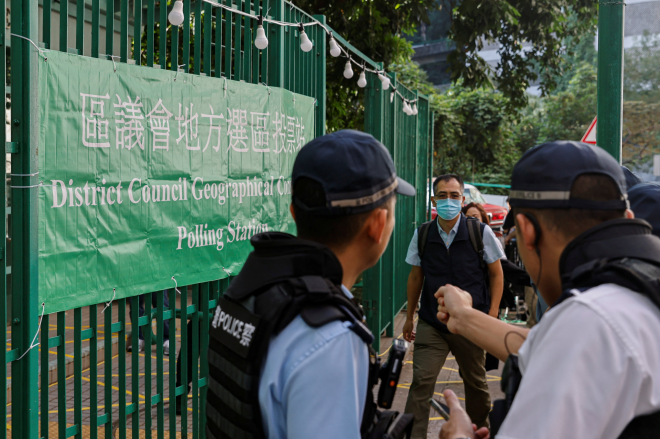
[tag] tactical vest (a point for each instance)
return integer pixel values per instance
(282, 278)
(622, 252)
(460, 265)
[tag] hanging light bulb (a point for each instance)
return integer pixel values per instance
(334, 47)
(414, 109)
(384, 80)
(305, 44)
(362, 82)
(348, 70)
(176, 15)
(392, 96)
(406, 108)
(261, 41)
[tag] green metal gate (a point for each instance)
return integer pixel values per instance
(79, 381)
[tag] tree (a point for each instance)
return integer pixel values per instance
(532, 36)
(641, 81)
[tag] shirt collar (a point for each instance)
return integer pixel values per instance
(454, 229)
(346, 292)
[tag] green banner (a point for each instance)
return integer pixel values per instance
(152, 179)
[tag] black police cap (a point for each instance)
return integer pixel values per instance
(544, 176)
(645, 203)
(356, 171)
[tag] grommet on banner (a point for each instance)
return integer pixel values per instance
(176, 285)
(225, 87)
(32, 345)
(108, 304)
(177, 71)
(225, 270)
(267, 87)
(112, 57)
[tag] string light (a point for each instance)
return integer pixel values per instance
(261, 42)
(348, 70)
(305, 44)
(362, 82)
(176, 18)
(334, 48)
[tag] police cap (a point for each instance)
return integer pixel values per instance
(544, 176)
(356, 171)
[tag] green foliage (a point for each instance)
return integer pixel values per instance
(641, 81)
(546, 27)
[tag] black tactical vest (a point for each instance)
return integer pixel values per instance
(622, 252)
(282, 278)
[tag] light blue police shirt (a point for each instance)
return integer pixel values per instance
(314, 382)
(492, 247)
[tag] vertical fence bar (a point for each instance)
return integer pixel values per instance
(107, 374)
(64, 24)
(194, 368)
(183, 358)
(146, 332)
(238, 64)
(121, 379)
(208, 38)
(174, 50)
(151, 30)
(247, 42)
(25, 307)
(276, 47)
(218, 42)
(61, 375)
(109, 27)
(203, 355)
(123, 42)
(3, 227)
(137, 32)
(229, 47)
(45, 375)
(135, 363)
(80, 26)
(319, 78)
(93, 372)
(197, 34)
(160, 388)
(162, 35)
(96, 26)
(186, 37)
(77, 370)
(172, 362)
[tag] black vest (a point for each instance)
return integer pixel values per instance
(457, 265)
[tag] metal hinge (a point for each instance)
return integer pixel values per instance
(11, 147)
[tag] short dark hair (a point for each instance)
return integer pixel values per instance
(572, 222)
(448, 177)
(480, 208)
(331, 231)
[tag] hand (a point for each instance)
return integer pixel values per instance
(494, 312)
(459, 424)
(451, 301)
(409, 330)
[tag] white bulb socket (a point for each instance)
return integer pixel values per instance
(414, 110)
(334, 48)
(348, 70)
(261, 42)
(362, 82)
(176, 15)
(305, 43)
(384, 80)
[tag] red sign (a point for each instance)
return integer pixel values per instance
(590, 135)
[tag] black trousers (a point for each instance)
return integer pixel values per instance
(154, 303)
(189, 359)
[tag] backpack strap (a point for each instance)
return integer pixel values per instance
(475, 230)
(422, 236)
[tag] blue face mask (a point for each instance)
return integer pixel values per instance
(448, 209)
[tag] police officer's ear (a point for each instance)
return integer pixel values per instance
(528, 231)
(630, 214)
(293, 212)
(376, 225)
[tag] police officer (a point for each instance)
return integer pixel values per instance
(289, 354)
(591, 367)
(441, 252)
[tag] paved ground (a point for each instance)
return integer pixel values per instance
(449, 378)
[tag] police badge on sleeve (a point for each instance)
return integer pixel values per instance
(235, 327)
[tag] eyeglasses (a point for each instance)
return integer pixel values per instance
(453, 196)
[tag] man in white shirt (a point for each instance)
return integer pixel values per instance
(591, 368)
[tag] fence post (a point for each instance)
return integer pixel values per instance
(610, 76)
(24, 18)
(276, 47)
(319, 81)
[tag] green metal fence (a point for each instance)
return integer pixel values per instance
(79, 381)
